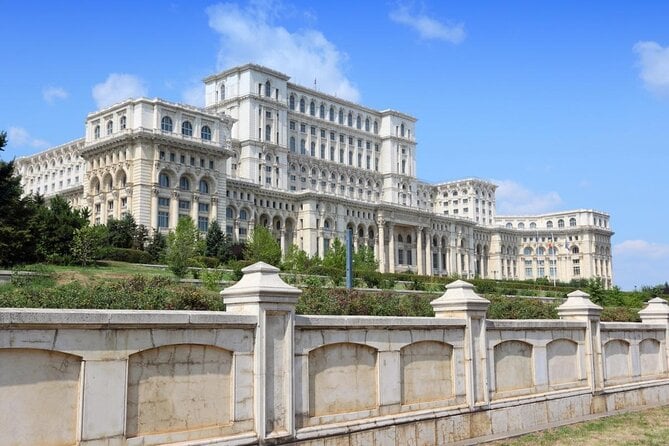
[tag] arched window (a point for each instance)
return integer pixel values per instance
(291, 102)
(509, 226)
(358, 122)
(552, 251)
(376, 127)
(521, 225)
(187, 128)
(408, 239)
(204, 187)
(399, 238)
(166, 124)
(184, 183)
(313, 149)
(349, 119)
(229, 212)
(303, 147)
(110, 127)
(527, 251)
(574, 250)
(533, 225)
(123, 122)
(341, 117)
(222, 91)
(164, 180)
(549, 224)
(205, 133)
(302, 105)
(312, 108)
(243, 215)
(572, 221)
(321, 112)
(268, 89)
(541, 251)
(367, 124)
(332, 114)
(96, 132)
(560, 223)
(268, 132)
(292, 144)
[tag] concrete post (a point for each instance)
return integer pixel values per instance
(579, 307)
(261, 292)
(657, 312)
(461, 302)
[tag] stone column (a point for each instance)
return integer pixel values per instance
(235, 230)
(195, 208)
(213, 211)
(391, 247)
(174, 210)
(428, 253)
(579, 307)
(461, 302)
(657, 312)
(262, 293)
(153, 218)
(284, 248)
(381, 245)
(420, 264)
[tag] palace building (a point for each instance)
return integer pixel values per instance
(309, 166)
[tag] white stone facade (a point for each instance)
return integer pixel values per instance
(309, 166)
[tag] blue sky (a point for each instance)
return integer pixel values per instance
(565, 105)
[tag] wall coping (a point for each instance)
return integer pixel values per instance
(306, 321)
(610, 326)
(91, 319)
(525, 324)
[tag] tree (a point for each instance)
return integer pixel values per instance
(336, 256)
(17, 241)
(181, 246)
(55, 225)
(364, 261)
(214, 240)
(297, 259)
(157, 246)
(262, 247)
(88, 243)
(140, 237)
(122, 232)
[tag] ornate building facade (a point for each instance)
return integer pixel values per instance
(309, 166)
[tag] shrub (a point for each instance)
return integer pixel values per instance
(620, 314)
(502, 307)
(205, 261)
(126, 255)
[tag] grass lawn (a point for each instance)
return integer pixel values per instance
(104, 270)
(650, 427)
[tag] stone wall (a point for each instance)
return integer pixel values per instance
(259, 374)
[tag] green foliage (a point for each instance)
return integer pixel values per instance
(620, 314)
(262, 247)
(55, 225)
(88, 244)
(126, 255)
(17, 237)
(502, 307)
(181, 246)
(335, 257)
(363, 259)
(215, 241)
(3, 140)
(205, 262)
(122, 232)
(140, 237)
(157, 247)
(298, 260)
(136, 293)
(211, 278)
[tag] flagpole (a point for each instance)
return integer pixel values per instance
(553, 244)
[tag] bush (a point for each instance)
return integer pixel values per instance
(620, 314)
(126, 255)
(204, 261)
(502, 307)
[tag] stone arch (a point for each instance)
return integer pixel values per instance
(650, 357)
(426, 372)
(171, 175)
(562, 356)
(121, 178)
(231, 212)
(264, 219)
(211, 182)
(40, 389)
(342, 378)
(513, 366)
(171, 384)
(95, 185)
(107, 182)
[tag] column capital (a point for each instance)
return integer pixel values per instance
(460, 300)
(657, 311)
(578, 306)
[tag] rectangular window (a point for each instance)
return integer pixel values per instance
(182, 159)
(400, 257)
(228, 230)
(184, 205)
(292, 125)
(303, 128)
(332, 136)
(173, 157)
(163, 202)
(163, 219)
(409, 259)
(313, 131)
(124, 202)
(192, 160)
(201, 163)
(211, 164)
(322, 133)
(203, 224)
(203, 207)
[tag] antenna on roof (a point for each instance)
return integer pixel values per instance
(315, 88)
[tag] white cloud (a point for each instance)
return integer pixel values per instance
(19, 137)
(427, 27)
(654, 64)
(515, 199)
(52, 94)
(118, 87)
(248, 35)
(639, 262)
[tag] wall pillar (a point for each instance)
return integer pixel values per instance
(428, 253)
(420, 264)
(391, 248)
(579, 307)
(382, 242)
(461, 302)
(657, 312)
(262, 293)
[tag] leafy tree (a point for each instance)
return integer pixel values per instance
(297, 259)
(140, 237)
(122, 232)
(214, 240)
(181, 245)
(88, 243)
(262, 247)
(336, 255)
(55, 225)
(157, 246)
(364, 261)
